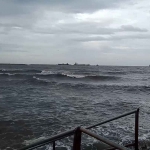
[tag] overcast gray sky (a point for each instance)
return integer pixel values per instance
(104, 32)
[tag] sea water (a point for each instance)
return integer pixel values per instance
(39, 101)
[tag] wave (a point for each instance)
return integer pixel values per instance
(79, 77)
(20, 71)
(61, 75)
(116, 72)
(58, 76)
(35, 79)
(77, 81)
(39, 81)
(101, 77)
(54, 74)
(66, 75)
(15, 75)
(105, 87)
(6, 74)
(137, 89)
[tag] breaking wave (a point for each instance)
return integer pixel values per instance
(35, 79)
(66, 75)
(77, 77)
(56, 75)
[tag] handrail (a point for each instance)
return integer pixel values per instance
(128, 145)
(49, 140)
(123, 115)
(77, 135)
(104, 140)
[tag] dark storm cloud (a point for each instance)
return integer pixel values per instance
(132, 29)
(124, 37)
(17, 7)
(23, 14)
(12, 8)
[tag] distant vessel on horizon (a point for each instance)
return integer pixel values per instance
(75, 64)
(64, 64)
(82, 64)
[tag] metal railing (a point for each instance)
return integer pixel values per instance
(77, 132)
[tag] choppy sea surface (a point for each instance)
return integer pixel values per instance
(39, 101)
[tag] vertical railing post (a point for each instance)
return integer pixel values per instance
(54, 145)
(136, 129)
(77, 139)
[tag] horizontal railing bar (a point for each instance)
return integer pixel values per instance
(104, 140)
(123, 115)
(49, 140)
(129, 145)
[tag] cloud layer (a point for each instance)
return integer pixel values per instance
(97, 32)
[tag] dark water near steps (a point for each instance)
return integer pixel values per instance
(38, 101)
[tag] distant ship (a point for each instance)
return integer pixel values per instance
(64, 64)
(82, 64)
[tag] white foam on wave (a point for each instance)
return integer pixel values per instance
(73, 75)
(28, 142)
(11, 69)
(44, 80)
(10, 74)
(65, 73)
(47, 72)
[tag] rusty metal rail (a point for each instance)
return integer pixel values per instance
(77, 132)
(49, 140)
(104, 140)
